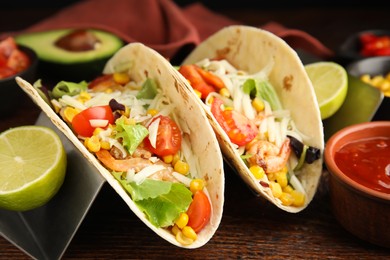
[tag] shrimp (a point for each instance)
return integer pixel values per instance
(269, 156)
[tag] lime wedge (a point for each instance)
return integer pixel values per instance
(32, 167)
(330, 82)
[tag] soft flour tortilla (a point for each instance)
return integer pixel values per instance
(251, 49)
(145, 62)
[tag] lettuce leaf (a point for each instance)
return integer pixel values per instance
(264, 90)
(132, 135)
(161, 201)
(148, 90)
(68, 88)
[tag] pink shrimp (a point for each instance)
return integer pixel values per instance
(269, 156)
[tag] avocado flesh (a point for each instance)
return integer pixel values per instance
(43, 43)
(59, 64)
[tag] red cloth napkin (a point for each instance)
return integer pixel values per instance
(162, 25)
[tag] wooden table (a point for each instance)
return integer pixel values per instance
(251, 227)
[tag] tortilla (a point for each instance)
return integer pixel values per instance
(251, 49)
(142, 62)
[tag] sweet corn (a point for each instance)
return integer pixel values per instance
(175, 229)
(84, 96)
(105, 145)
(196, 185)
(181, 167)
(127, 111)
(168, 158)
(69, 113)
(288, 189)
(281, 177)
(182, 239)
(224, 92)
(121, 78)
(258, 104)
(189, 232)
(380, 82)
(175, 158)
(198, 93)
(97, 130)
(271, 176)
(92, 143)
(182, 221)
(257, 171)
(152, 112)
(299, 198)
(276, 189)
(108, 90)
(287, 199)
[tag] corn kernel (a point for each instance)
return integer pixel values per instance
(92, 143)
(182, 239)
(168, 158)
(288, 189)
(97, 130)
(210, 100)
(281, 178)
(152, 112)
(365, 78)
(189, 232)
(198, 93)
(121, 78)
(299, 198)
(276, 189)
(69, 113)
(258, 104)
(196, 185)
(385, 85)
(271, 176)
(286, 199)
(127, 112)
(175, 229)
(175, 158)
(105, 145)
(377, 80)
(257, 171)
(108, 90)
(224, 92)
(84, 96)
(181, 167)
(182, 221)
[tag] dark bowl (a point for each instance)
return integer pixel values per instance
(363, 211)
(373, 66)
(349, 50)
(10, 91)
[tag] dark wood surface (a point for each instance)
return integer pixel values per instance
(250, 227)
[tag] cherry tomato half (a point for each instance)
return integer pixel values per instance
(168, 140)
(199, 211)
(238, 127)
(81, 122)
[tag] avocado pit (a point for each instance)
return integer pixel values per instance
(78, 41)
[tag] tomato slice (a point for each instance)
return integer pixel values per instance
(81, 122)
(168, 139)
(238, 127)
(196, 80)
(199, 211)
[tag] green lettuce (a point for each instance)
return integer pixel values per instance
(131, 135)
(264, 90)
(148, 90)
(161, 201)
(68, 88)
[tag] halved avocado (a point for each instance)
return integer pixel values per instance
(61, 61)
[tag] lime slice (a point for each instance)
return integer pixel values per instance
(32, 167)
(330, 82)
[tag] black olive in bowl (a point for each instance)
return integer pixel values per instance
(352, 48)
(10, 92)
(370, 68)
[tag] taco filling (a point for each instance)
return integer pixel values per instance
(248, 110)
(132, 130)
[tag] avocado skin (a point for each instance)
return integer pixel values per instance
(58, 64)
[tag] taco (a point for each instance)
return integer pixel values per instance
(263, 109)
(149, 138)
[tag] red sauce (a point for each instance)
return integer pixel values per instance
(367, 162)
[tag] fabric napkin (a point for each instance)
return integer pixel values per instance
(162, 25)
